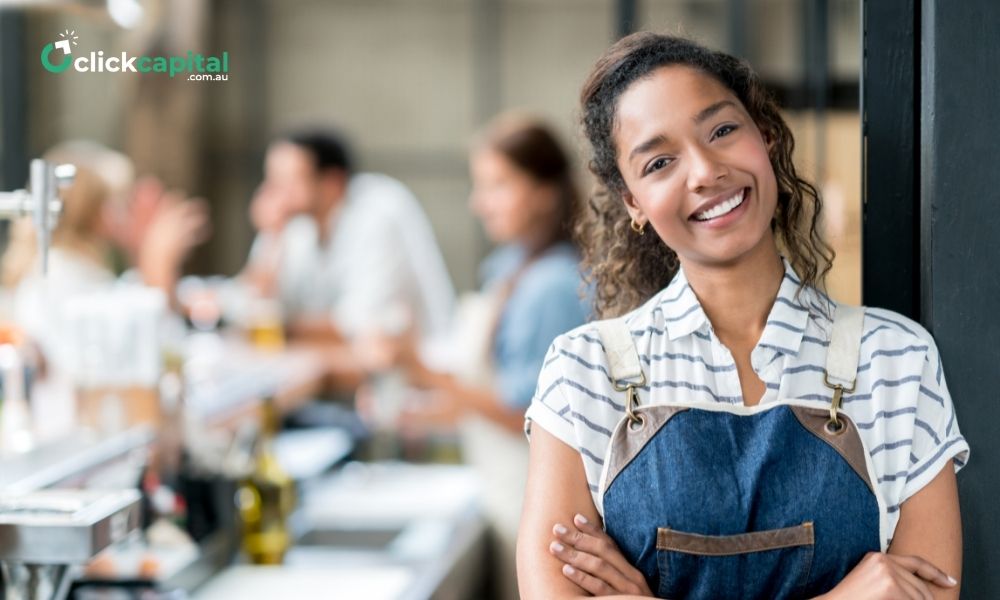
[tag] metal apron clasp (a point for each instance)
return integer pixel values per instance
(631, 397)
(834, 425)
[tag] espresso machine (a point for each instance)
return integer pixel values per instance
(44, 534)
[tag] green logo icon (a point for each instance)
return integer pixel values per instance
(63, 45)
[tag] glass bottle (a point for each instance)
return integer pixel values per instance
(266, 498)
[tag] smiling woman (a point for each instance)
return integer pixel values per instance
(732, 432)
(628, 269)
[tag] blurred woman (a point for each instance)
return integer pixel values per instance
(524, 195)
(108, 222)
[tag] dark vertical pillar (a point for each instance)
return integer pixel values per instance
(14, 105)
(931, 220)
(253, 43)
(487, 89)
(890, 130)
(736, 27)
(625, 17)
(488, 54)
(959, 250)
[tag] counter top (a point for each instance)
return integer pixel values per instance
(375, 531)
(225, 387)
(384, 582)
(70, 458)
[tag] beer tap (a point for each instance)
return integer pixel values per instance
(41, 201)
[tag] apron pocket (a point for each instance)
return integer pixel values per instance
(762, 564)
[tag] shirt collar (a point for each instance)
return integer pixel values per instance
(786, 323)
(682, 313)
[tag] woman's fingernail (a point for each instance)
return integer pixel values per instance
(561, 530)
(952, 580)
(582, 520)
(568, 570)
(557, 547)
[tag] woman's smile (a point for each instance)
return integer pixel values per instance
(717, 214)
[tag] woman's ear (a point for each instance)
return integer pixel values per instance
(634, 212)
(768, 134)
(770, 139)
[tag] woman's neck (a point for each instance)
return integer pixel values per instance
(737, 298)
(537, 241)
(92, 248)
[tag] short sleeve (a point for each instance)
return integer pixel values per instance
(549, 407)
(937, 440)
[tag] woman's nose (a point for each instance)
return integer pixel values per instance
(705, 169)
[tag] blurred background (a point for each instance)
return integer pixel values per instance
(246, 439)
(409, 83)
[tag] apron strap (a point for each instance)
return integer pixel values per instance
(842, 359)
(623, 359)
(845, 345)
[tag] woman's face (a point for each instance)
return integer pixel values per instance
(511, 204)
(696, 166)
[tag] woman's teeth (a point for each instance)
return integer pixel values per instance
(720, 209)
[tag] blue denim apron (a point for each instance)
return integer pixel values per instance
(722, 501)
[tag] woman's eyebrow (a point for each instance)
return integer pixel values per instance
(698, 119)
(649, 144)
(711, 110)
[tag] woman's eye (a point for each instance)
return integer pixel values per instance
(724, 131)
(657, 164)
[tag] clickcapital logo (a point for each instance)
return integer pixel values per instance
(197, 66)
(70, 37)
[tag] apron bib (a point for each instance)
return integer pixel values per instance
(728, 501)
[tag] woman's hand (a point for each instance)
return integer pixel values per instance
(379, 352)
(594, 562)
(128, 224)
(177, 226)
(430, 411)
(888, 576)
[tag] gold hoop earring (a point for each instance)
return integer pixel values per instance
(636, 227)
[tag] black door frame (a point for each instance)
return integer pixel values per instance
(931, 218)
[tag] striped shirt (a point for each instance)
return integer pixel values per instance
(900, 404)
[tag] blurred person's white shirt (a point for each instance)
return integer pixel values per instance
(79, 309)
(40, 306)
(41, 299)
(381, 259)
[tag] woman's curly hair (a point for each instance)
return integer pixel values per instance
(628, 269)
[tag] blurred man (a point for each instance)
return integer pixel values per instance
(348, 254)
